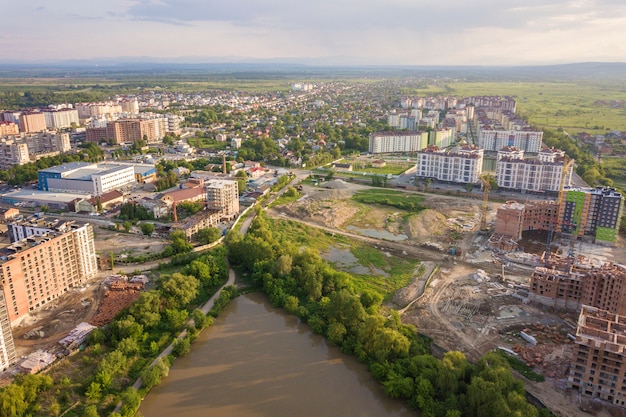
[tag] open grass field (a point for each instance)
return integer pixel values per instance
(615, 169)
(395, 272)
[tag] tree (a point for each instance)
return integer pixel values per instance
(152, 375)
(242, 181)
(181, 347)
(179, 290)
(146, 309)
(427, 182)
(147, 228)
(208, 235)
(469, 187)
(94, 392)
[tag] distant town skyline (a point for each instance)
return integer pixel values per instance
(341, 32)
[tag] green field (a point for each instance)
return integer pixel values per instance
(615, 169)
(400, 271)
(408, 202)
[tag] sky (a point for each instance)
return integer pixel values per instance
(339, 32)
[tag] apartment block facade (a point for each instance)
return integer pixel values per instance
(9, 128)
(223, 195)
(462, 165)
(593, 212)
(61, 118)
(40, 268)
(525, 139)
(570, 284)
(390, 142)
(598, 368)
(31, 122)
(537, 175)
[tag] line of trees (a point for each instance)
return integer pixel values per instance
(93, 381)
(308, 287)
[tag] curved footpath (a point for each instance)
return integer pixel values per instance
(205, 308)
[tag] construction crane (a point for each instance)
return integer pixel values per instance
(558, 227)
(485, 179)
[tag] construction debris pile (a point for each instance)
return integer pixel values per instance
(548, 355)
(121, 293)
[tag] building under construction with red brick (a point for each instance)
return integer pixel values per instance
(598, 367)
(571, 283)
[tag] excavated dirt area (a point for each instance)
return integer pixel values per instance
(330, 206)
(43, 329)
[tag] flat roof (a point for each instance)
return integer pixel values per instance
(37, 195)
(70, 166)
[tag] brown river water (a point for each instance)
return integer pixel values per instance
(257, 361)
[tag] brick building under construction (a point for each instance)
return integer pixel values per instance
(598, 367)
(592, 212)
(568, 283)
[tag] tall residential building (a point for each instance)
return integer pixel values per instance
(598, 368)
(390, 142)
(7, 346)
(38, 269)
(107, 108)
(9, 128)
(60, 118)
(462, 165)
(526, 139)
(593, 212)
(223, 195)
(13, 152)
(536, 175)
(31, 122)
(572, 283)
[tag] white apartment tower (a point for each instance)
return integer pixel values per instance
(536, 175)
(462, 165)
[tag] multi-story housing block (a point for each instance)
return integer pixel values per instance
(8, 355)
(593, 212)
(390, 142)
(571, 283)
(9, 128)
(38, 269)
(537, 175)
(598, 368)
(32, 121)
(13, 152)
(223, 195)
(527, 139)
(60, 118)
(107, 109)
(442, 137)
(463, 165)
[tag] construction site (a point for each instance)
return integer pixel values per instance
(484, 295)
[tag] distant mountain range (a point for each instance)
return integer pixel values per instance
(136, 66)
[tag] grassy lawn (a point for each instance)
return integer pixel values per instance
(616, 170)
(397, 199)
(399, 270)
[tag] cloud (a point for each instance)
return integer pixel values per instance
(394, 31)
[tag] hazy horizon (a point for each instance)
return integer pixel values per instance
(401, 32)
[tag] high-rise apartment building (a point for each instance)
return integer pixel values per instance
(593, 212)
(39, 268)
(598, 368)
(461, 165)
(572, 283)
(536, 175)
(13, 152)
(9, 128)
(390, 142)
(223, 195)
(526, 139)
(60, 118)
(31, 122)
